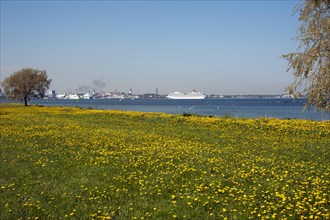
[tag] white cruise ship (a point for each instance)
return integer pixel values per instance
(189, 95)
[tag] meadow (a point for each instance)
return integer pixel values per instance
(71, 163)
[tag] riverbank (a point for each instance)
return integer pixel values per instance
(61, 162)
(238, 108)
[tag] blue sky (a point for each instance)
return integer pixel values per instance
(216, 47)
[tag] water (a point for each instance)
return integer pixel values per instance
(246, 108)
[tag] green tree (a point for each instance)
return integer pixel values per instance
(311, 62)
(25, 84)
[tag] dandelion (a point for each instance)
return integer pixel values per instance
(114, 164)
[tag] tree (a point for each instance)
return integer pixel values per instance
(25, 84)
(311, 62)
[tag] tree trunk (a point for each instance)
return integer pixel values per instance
(25, 101)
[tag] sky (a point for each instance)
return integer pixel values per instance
(215, 47)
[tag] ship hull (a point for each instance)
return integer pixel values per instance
(185, 97)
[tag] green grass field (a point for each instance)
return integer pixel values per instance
(70, 163)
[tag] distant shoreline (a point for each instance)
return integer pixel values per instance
(281, 108)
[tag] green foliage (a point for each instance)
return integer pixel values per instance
(311, 62)
(26, 83)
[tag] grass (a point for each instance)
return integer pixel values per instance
(71, 163)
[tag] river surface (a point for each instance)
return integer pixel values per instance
(245, 108)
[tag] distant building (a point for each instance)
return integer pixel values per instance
(287, 96)
(2, 94)
(51, 93)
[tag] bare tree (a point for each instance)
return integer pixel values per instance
(26, 83)
(311, 62)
